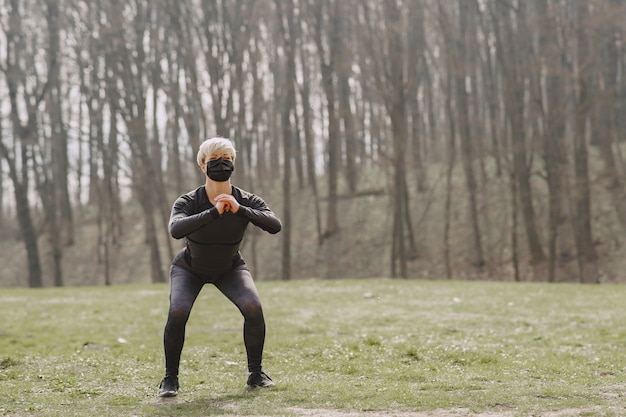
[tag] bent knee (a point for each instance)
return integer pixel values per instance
(251, 309)
(178, 314)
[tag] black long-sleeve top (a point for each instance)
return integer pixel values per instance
(212, 239)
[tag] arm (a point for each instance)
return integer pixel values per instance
(260, 214)
(183, 222)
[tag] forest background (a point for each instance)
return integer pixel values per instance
(465, 139)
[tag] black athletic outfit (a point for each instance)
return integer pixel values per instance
(212, 256)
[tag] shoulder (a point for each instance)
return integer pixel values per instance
(193, 196)
(243, 195)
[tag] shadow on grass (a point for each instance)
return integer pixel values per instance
(203, 405)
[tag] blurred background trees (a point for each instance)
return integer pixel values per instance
(405, 138)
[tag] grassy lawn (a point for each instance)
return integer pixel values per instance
(348, 347)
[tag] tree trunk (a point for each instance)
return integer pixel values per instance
(213, 50)
(286, 17)
(24, 219)
(514, 89)
(514, 222)
(343, 69)
(553, 107)
(309, 146)
(128, 65)
(194, 115)
(450, 60)
(163, 207)
(396, 107)
(328, 58)
(414, 68)
(52, 185)
(489, 72)
(58, 136)
(334, 132)
(464, 74)
(22, 135)
(606, 123)
(587, 256)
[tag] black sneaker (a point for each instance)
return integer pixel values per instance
(169, 386)
(259, 379)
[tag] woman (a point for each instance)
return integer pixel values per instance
(213, 219)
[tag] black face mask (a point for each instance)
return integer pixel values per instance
(219, 169)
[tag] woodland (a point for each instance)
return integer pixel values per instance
(429, 139)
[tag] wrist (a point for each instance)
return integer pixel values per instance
(215, 213)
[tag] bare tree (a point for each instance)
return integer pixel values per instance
(18, 154)
(395, 101)
(325, 30)
(104, 149)
(128, 66)
(309, 138)
(58, 136)
(344, 61)
(587, 256)
(417, 71)
(465, 78)
(189, 106)
(552, 105)
(610, 88)
(53, 184)
(514, 69)
(324, 97)
(286, 23)
(451, 154)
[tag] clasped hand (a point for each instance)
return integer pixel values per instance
(226, 202)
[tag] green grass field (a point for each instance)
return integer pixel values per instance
(373, 347)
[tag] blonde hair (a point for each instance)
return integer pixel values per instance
(217, 145)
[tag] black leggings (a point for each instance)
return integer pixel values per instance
(238, 286)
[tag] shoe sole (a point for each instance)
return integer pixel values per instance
(168, 394)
